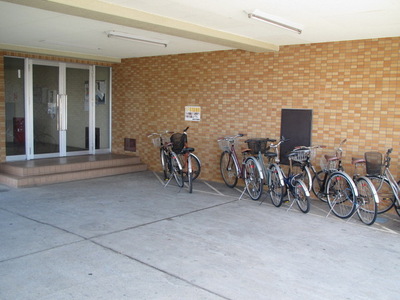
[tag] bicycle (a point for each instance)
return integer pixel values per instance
(189, 164)
(169, 160)
(295, 185)
(378, 171)
(249, 169)
(272, 174)
(335, 186)
(366, 205)
(302, 163)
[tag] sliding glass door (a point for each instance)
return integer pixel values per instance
(56, 109)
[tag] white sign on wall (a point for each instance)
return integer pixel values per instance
(192, 113)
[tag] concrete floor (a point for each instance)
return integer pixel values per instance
(128, 237)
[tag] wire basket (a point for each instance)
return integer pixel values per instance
(257, 145)
(156, 142)
(373, 163)
(300, 155)
(225, 145)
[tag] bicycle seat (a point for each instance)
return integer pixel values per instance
(355, 160)
(247, 150)
(186, 150)
(270, 154)
(331, 157)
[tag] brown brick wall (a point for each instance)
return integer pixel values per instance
(353, 88)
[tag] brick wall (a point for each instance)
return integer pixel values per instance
(353, 88)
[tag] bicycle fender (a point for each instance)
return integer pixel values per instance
(349, 179)
(258, 166)
(304, 187)
(280, 174)
(376, 197)
(196, 158)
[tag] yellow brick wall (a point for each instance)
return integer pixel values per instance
(353, 88)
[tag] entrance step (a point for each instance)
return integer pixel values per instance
(54, 170)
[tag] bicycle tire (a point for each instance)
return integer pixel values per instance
(341, 195)
(253, 179)
(165, 163)
(196, 166)
(190, 181)
(177, 170)
(299, 168)
(228, 169)
(385, 193)
(318, 186)
(276, 188)
(367, 208)
(300, 195)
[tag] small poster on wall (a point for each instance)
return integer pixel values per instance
(192, 113)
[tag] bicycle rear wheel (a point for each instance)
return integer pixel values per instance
(196, 166)
(300, 195)
(228, 169)
(177, 170)
(366, 201)
(318, 186)
(341, 195)
(165, 163)
(276, 188)
(385, 193)
(299, 168)
(252, 177)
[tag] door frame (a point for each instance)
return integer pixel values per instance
(29, 124)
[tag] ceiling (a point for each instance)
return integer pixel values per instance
(78, 28)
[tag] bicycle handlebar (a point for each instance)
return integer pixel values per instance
(231, 138)
(160, 133)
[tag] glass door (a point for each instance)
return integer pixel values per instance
(60, 111)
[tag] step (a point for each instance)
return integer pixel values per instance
(49, 171)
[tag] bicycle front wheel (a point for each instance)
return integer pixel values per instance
(385, 193)
(300, 196)
(252, 178)
(341, 195)
(276, 188)
(228, 169)
(318, 186)
(366, 201)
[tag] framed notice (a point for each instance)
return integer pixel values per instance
(192, 113)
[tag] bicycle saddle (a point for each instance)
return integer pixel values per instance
(186, 150)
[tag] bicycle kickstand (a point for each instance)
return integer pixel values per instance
(289, 201)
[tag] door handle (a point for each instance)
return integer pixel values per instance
(62, 102)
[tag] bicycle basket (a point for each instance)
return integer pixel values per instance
(224, 145)
(257, 145)
(301, 155)
(178, 141)
(156, 142)
(373, 163)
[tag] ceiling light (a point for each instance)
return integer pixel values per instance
(277, 21)
(136, 38)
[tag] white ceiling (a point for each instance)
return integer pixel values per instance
(81, 33)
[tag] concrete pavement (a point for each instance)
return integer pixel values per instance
(128, 237)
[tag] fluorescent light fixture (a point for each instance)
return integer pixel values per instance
(274, 20)
(136, 38)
